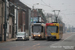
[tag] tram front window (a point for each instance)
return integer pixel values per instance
(36, 28)
(51, 29)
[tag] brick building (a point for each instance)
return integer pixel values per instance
(38, 13)
(23, 16)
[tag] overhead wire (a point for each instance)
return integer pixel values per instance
(46, 4)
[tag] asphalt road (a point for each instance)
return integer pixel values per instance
(67, 43)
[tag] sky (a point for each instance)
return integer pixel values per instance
(66, 7)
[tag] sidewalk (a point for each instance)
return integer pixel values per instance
(8, 40)
(11, 39)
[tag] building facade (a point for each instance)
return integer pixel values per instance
(37, 15)
(9, 20)
(24, 14)
(2, 20)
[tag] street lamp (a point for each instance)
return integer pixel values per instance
(34, 5)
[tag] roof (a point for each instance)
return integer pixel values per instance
(20, 4)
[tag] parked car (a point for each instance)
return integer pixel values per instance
(22, 36)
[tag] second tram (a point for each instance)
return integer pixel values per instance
(54, 31)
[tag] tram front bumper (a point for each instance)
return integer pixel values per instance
(36, 37)
(51, 37)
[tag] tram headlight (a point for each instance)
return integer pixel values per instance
(34, 35)
(38, 35)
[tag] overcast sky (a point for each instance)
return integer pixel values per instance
(67, 8)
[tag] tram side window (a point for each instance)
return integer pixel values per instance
(61, 28)
(42, 29)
